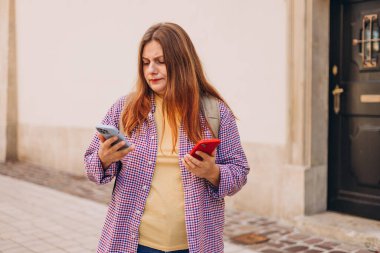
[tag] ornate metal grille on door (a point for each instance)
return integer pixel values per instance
(368, 42)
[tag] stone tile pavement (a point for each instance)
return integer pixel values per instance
(35, 218)
(282, 237)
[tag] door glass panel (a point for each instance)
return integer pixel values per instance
(375, 37)
(367, 38)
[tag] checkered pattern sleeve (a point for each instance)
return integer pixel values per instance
(230, 158)
(93, 166)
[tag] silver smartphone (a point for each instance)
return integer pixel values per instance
(109, 131)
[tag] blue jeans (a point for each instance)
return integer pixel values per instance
(145, 249)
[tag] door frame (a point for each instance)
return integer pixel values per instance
(308, 94)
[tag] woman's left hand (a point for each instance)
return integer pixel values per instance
(206, 169)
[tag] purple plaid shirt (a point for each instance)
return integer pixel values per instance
(204, 203)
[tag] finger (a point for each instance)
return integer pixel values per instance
(125, 152)
(187, 165)
(120, 154)
(192, 161)
(101, 138)
(116, 147)
(108, 142)
(184, 163)
(203, 155)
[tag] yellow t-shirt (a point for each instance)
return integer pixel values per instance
(163, 222)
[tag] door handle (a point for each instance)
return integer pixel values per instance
(336, 93)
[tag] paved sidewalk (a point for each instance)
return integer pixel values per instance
(35, 218)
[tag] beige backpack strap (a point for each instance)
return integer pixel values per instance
(210, 107)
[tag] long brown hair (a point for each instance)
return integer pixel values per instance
(186, 84)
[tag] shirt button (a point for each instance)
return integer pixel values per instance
(133, 236)
(145, 187)
(138, 211)
(152, 137)
(150, 162)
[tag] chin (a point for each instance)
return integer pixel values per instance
(158, 90)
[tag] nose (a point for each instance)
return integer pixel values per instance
(152, 68)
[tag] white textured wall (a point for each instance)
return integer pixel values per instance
(75, 57)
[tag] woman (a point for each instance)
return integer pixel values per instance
(165, 200)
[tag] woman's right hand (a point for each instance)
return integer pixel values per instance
(109, 154)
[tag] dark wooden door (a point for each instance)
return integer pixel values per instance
(354, 114)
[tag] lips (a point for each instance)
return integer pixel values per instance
(155, 80)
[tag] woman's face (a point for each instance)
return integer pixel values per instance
(154, 67)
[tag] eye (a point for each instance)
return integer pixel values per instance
(160, 60)
(145, 63)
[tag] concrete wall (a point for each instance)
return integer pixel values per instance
(73, 49)
(76, 57)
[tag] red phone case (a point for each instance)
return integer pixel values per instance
(206, 146)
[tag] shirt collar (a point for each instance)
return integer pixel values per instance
(153, 102)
